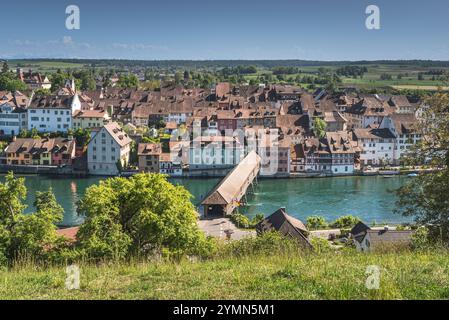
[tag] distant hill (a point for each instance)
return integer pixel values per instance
(234, 63)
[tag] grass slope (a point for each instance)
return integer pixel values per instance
(406, 275)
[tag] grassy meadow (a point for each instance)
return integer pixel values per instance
(342, 275)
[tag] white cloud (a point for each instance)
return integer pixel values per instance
(67, 40)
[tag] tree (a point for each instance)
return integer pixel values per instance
(5, 67)
(88, 81)
(320, 127)
(426, 197)
(42, 92)
(57, 81)
(27, 235)
(144, 214)
(128, 81)
(82, 137)
(178, 77)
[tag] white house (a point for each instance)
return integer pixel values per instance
(342, 152)
(403, 128)
(13, 117)
(109, 146)
(52, 113)
(368, 239)
(168, 166)
(214, 152)
(370, 111)
(376, 145)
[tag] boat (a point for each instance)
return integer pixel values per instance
(389, 172)
(387, 176)
(412, 175)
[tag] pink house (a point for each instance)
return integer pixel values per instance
(63, 152)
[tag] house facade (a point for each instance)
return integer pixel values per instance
(108, 150)
(52, 113)
(86, 119)
(45, 152)
(13, 118)
(148, 156)
(376, 146)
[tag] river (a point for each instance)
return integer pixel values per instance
(370, 198)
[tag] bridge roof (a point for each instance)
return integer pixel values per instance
(228, 189)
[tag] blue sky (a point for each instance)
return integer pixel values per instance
(231, 29)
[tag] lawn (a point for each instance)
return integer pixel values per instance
(342, 275)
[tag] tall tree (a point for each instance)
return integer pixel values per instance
(319, 127)
(26, 235)
(426, 197)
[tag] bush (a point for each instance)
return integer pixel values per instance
(421, 239)
(316, 223)
(320, 245)
(268, 243)
(346, 222)
(242, 221)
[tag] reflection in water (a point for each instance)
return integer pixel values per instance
(370, 198)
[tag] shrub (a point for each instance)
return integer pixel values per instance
(268, 243)
(320, 245)
(348, 221)
(242, 221)
(421, 239)
(316, 223)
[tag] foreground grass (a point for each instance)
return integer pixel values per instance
(408, 275)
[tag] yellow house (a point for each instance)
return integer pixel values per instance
(86, 119)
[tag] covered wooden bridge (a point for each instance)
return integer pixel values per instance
(229, 193)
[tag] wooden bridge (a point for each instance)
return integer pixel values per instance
(230, 192)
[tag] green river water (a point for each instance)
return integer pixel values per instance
(370, 198)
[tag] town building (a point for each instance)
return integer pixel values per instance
(367, 112)
(376, 146)
(342, 152)
(52, 113)
(108, 151)
(45, 151)
(368, 239)
(87, 119)
(34, 80)
(214, 154)
(169, 166)
(280, 221)
(403, 127)
(148, 157)
(13, 113)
